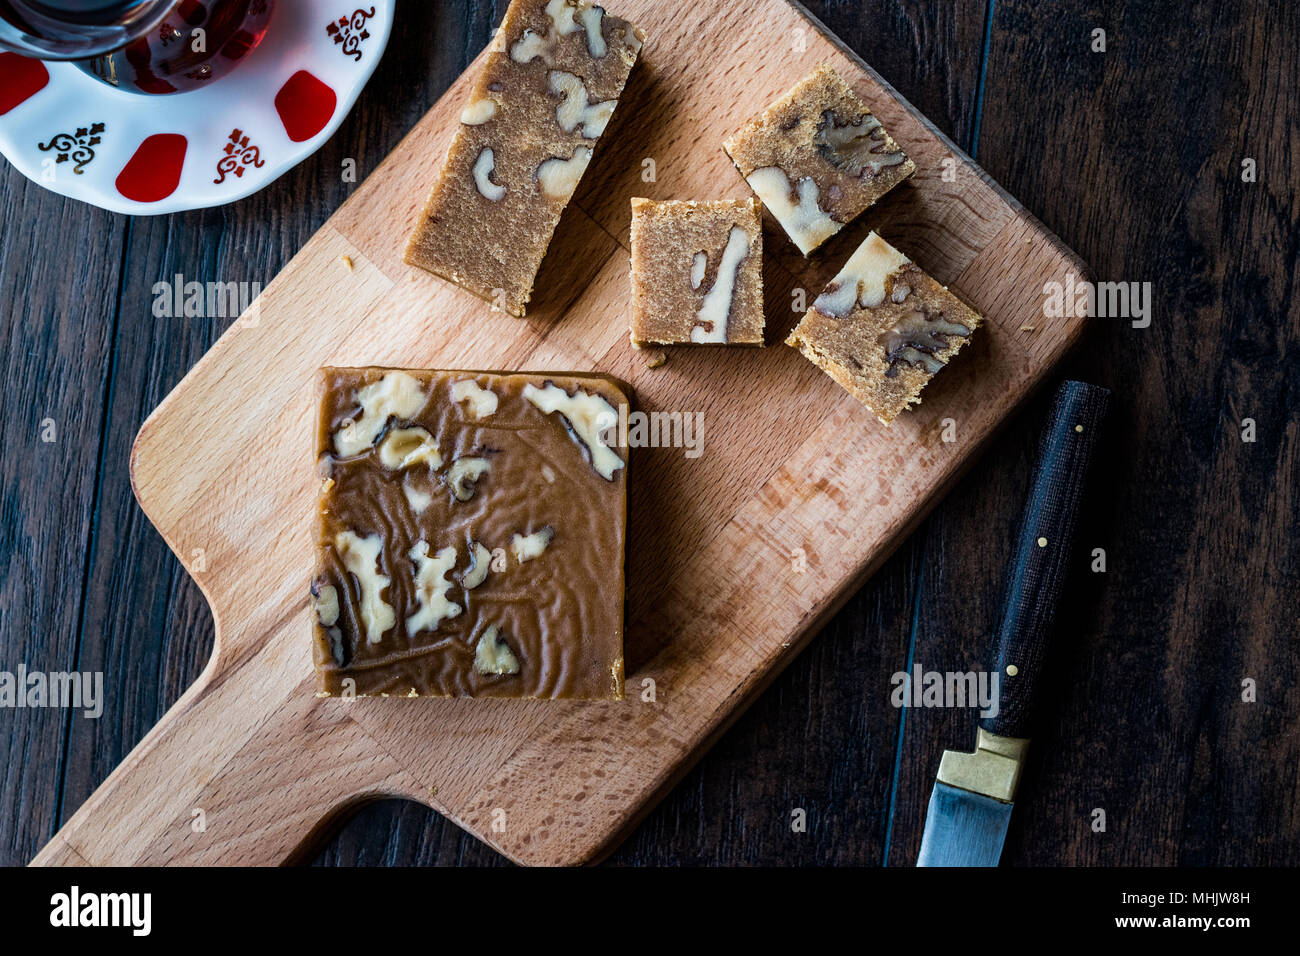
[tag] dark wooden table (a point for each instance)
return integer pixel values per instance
(1134, 156)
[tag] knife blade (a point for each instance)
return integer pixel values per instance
(963, 828)
(970, 808)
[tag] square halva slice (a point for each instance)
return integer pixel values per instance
(817, 158)
(697, 272)
(470, 535)
(882, 328)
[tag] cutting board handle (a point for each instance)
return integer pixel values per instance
(241, 771)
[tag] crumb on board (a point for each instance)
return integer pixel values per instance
(1027, 328)
(656, 358)
(347, 261)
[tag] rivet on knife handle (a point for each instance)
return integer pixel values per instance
(1042, 552)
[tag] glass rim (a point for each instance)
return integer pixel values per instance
(75, 41)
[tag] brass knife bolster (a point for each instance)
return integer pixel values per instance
(992, 770)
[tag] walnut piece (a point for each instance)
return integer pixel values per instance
(532, 45)
(716, 308)
(361, 558)
(559, 177)
(464, 473)
(575, 111)
(529, 546)
(431, 588)
(699, 263)
(479, 111)
(493, 656)
(480, 561)
(484, 167)
(416, 498)
(857, 148)
(407, 447)
(396, 395)
(586, 415)
(481, 402)
(326, 604)
(796, 209)
(917, 337)
(861, 283)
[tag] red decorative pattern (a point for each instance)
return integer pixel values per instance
(154, 172)
(21, 78)
(305, 105)
(350, 32)
(239, 152)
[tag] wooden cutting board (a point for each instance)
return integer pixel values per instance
(735, 558)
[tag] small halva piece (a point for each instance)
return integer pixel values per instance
(818, 158)
(543, 98)
(470, 535)
(882, 328)
(697, 272)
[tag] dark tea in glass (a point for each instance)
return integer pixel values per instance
(145, 46)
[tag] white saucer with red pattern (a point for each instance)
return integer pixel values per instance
(144, 155)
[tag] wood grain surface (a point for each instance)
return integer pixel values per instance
(1198, 593)
(735, 553)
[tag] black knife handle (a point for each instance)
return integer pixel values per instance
(1043, 551)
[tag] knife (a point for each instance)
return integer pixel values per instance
(970, 808)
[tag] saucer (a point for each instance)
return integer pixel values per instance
(147, 155)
